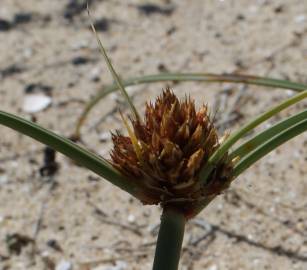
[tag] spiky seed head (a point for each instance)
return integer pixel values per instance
(166, 151)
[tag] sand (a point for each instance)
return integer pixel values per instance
(76, 220)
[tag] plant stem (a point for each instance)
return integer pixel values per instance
(169, 240)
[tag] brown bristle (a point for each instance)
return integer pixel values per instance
(175, 142)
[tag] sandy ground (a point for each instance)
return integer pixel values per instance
(74, 220)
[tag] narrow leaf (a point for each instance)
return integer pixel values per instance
(179, 77)
(234, 137)
(69, 149)
(267, 134)
(270, 145)
(254, 156)
(116, 78)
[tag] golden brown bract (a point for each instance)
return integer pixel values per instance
(166, 152)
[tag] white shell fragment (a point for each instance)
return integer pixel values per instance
(120, 265)
(64, 265)
(35, 103)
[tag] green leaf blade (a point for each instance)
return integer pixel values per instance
(268, 146)
(234, 137)
(69, 149)
(267, 134)
(180, 77)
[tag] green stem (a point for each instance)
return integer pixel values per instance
(169, 240)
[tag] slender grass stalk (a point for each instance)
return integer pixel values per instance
(179, 77)
(267, 134)
(70, 149)
(116, 78)
(234, 137)
(170, 238)
(270, 145)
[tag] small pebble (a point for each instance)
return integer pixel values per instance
(114, 96)
(213, 267)
(3, 179)
(27, 52)
(45, 253)
(95, 74)
(300, 18)
(256, 261)
(131, 218)
(120, 265)
(104, 136)
(253, 9)
(80, 44)
(250, 237)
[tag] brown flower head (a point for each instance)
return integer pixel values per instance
(165, 153)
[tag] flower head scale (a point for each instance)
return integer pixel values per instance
(164, 154)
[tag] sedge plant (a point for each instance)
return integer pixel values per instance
(173, 156)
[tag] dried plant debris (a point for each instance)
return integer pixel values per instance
(22, 18)
(50, 166)
(5, 25)
(38, 88)
(81, 60)
(102, 25)
(11, 70)
(16, 242)
(150, 9)
(75, 7)
(52, 243)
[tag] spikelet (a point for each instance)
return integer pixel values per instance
(174, 142)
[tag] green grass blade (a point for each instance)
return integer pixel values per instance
(69, 149)
(267, 134)
(180, 77)
(116, 78)
(234, 137)
(258, 153)
(267, 147)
